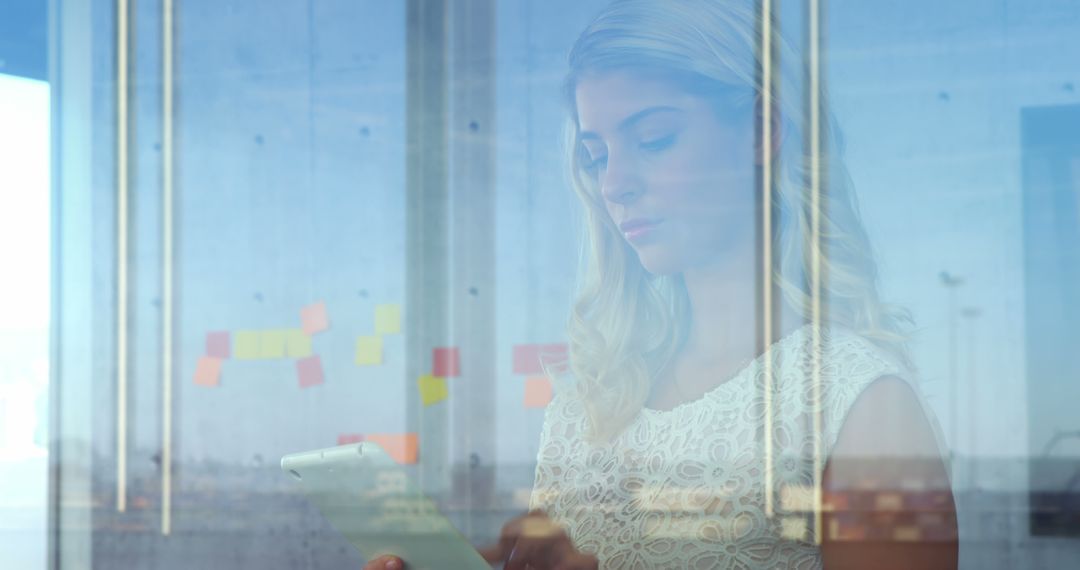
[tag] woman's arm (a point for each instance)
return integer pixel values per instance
(887, 423)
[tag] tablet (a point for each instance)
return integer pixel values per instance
(371, 500)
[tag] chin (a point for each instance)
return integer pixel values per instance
(660, 265)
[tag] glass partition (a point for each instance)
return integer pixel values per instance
(696, 283)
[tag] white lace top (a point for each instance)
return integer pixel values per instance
(685, 488)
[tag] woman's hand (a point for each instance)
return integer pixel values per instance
(387, 562)
(534, 541)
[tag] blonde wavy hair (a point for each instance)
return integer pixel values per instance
(627, 325)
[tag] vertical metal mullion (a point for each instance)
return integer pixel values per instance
(121, 251)
(53, 541)
(166, 264)
(766, 242)
(814, 93)
(427, 223)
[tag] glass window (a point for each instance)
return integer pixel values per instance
(695, 283)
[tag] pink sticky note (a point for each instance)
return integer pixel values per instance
(537, 392)
(445, 362)
(347, 438)
(528, 357)
(208, 372)
(313, 318)
(309, 371)
(217, 344)
(556, 357)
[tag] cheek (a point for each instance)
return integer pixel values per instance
(711, 200)
(705, 183)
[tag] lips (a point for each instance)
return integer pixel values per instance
(638, 228)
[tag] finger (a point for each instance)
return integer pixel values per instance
(532, 539)
(578, 561)
(542, 546)
(507, 539)
(523, 556)
(385, 562)
(493, 554)
(509, 535)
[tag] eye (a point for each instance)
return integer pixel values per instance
(594, 165)
(659, 144)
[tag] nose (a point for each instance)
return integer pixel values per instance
(621, 183)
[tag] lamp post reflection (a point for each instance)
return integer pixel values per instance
(951, 282)
(970, 314)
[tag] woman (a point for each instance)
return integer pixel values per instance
(680, 442)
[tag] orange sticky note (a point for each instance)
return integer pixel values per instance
(402, 447)
(347, 438)
(208, 372)
(537, 392)
(432, 389)
(313, 318)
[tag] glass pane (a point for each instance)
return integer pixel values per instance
(700, 283)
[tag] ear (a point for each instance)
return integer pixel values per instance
(777, 131)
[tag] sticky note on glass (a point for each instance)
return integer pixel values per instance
(446, 362)
(272, 344)
(313, 318)
(208, 372)
(309, 371)
(387, 319)
(537, 392)
(247, 344)
(217, 344)
(528, 358)
(432, 389)
(347, 438)
(297, 343)
(402, 447)
(369, 350)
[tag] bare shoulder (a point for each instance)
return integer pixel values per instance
(887, 418)
(888, 438)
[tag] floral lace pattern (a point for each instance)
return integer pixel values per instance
(685, 488)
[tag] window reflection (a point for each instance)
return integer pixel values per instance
(607, 260)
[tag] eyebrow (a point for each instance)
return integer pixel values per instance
(636, 117)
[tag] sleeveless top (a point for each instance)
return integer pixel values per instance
(685, 488)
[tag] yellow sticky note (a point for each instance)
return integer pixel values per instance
(369, 350)
(272, 344)
(247, 345)
(297, 343)
(387, 319)
(432, 389)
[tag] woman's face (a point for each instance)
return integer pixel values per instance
(676, 173)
